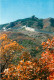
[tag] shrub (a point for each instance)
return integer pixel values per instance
(33, 69)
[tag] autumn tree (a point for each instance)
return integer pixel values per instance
(47, 57)
(33, 69)
(25, 55)
(8, 48)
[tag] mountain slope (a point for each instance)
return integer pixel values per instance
(34, 22)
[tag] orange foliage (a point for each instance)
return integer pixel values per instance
(25, 55)
(8, 48)
(33, 69)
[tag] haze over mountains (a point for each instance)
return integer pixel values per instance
(33, 22)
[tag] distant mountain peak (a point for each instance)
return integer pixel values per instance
(34, 17)
(33, 22)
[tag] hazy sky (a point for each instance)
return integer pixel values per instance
(11, 10)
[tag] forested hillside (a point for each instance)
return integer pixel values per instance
(34, 22)
(18, 64)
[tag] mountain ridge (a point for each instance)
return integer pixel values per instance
(33, 22)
